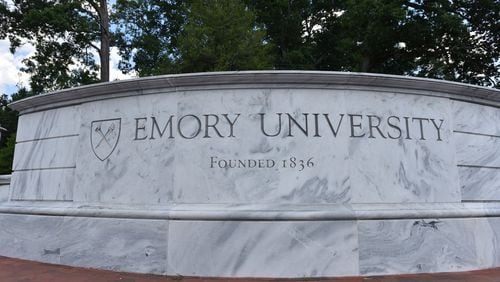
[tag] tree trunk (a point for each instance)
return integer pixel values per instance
(365, 64)
(105, 40)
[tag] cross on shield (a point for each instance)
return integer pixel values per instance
(104, 136)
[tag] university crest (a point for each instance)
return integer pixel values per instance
(104, 136)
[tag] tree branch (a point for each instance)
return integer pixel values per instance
(415, 5)
(95, 47)
(96, 7)
(92, 15)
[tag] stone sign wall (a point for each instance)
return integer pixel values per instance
(262, 174)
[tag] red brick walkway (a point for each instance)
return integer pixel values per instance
(27, 271)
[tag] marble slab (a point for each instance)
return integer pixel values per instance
(424, 246)
(46, 154)
(326, 182)
(159, 162)
(477, 150)
(470, 117)
(54, 185)
(114, 244)
(480, 184)
(30, 237)
(4, 193)
(262, 249)
(495, 240)
(48, 124)
(275, 174)
(135, 172)
(385, 170)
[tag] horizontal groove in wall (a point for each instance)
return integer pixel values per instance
(480, 201)
(478, 166)
(475, 133)
(45, 168)
(47, 138)
(39, 200)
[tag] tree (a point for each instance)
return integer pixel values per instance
(7, 155)
(147, 34)
(63, 33)
(446, 39)
(189, 36)
(8, 117)
(364, 37)
(454, 40)
(8, 120)
(221, 35)
(291, 28)
(101, 7)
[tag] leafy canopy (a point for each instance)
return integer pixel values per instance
(447, 39)
(64, 34)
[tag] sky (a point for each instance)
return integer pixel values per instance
(10, 66)
(11, 75)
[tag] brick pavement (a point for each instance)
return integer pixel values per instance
(15, 270)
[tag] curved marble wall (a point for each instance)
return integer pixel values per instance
(258, 174)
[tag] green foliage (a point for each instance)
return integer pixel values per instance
(7, 155)
(178, 36)
(221, 35)
(54, 73)
(290, 29)
(8, 119)
(20, 94)
(369, 32)
(454, 40)
(147, 34)
(63, 33)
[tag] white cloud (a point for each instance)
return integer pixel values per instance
(114, 72)
(10, 65)
(114, 57)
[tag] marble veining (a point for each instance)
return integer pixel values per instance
(416, 166)
(48, 124)
(477, 150)
(268, 249)
(258, 174)
(480, 184)
(385, 170)
(136, 172)
(494, 240)
(56, 184)
(4, 193)
(124, 244)
(30, 237)
(420, 246)
(476, 118)
(282, 185)
(43, 154)
(121, 245)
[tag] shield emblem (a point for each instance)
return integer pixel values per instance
(104, 136)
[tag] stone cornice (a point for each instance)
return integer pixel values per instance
(258, 79)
